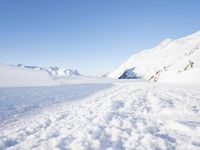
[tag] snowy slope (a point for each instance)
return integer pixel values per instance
(21, 76)
(171, 59)
(32, 76)
(14, 76)
(127, 116)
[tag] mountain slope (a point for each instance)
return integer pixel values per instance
(171, 59)
(23, 76)
(14, 76)
(54, 72)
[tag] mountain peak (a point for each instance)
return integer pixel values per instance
(53, 71)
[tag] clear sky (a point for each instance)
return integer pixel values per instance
(93, 36)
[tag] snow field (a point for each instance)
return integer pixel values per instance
(125, 116)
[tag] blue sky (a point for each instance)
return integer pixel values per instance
(93, 36)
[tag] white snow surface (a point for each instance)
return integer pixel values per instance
(167, 61)
(33, 76)
(122, 115)
(13, 76)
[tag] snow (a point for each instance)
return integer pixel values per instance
(34, 76)
(13, 76)
(54, 108)
(192, 76)
(115, 115)
(54, 72)
(168, 60)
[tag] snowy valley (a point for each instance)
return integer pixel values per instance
(60, 109)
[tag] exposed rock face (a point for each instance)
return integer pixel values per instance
(129, 74)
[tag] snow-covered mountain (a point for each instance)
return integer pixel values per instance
(55, 72)
(171, 60)
(23, 76)
(14, 76)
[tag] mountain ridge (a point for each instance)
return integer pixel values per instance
(32, 76)
(171, 57)
(53, 71)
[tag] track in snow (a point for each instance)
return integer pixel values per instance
(15, 102)
(124, 116)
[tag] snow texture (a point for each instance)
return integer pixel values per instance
(135, 115)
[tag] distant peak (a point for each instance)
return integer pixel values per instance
(53, 70)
